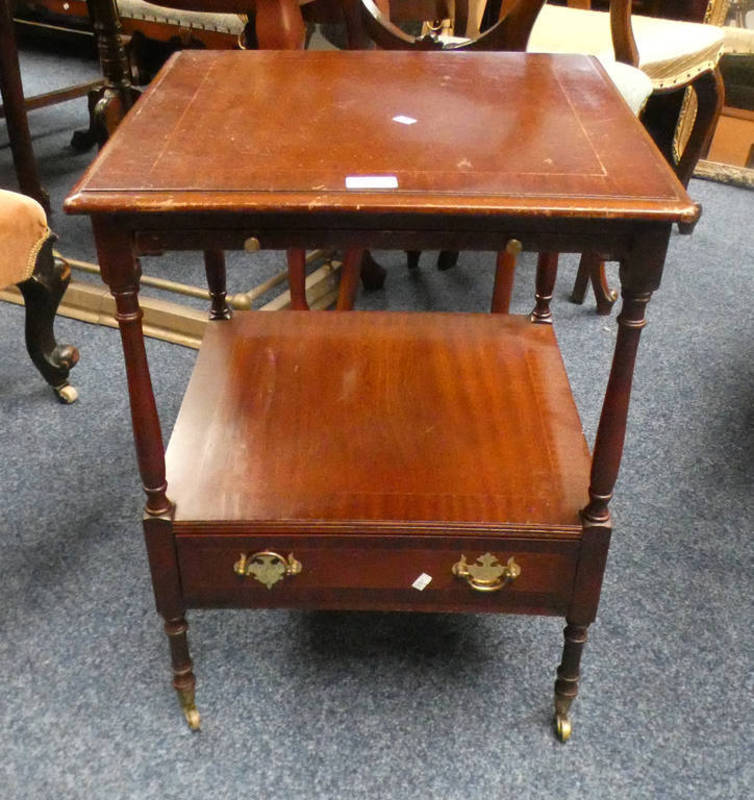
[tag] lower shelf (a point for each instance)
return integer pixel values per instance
(319, 418)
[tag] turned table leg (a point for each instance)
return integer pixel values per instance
(608, 450)
(567, 683)
(120, 270)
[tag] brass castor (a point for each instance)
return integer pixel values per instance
(188, 706)
(193, 718)
(562, 727)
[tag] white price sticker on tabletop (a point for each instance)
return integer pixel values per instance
(422, 582)
(371, 182)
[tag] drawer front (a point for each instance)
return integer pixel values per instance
(361, 573)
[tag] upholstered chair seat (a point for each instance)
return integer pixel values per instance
(671, 53)
(231, 24)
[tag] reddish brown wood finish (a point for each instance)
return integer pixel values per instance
(571, 169)
(376, 445)
(15, 112)
(436, 419)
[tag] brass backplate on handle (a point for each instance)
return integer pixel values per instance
(487, 574)
(267, 567)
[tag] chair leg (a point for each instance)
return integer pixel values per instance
(372, 274)
(591, 267)
(349, 278)
(12, 93)
(297, 278)
(547, 270)
(412, 258)
(447, 260)
(504, 274)
(214, 267)
(42, 293)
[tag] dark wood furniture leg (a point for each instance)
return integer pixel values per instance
(214, 267)
(592, 268)
(42, 293)
(109, 104)
(121, 272)
(640, 275)
(567, 683)
(547, 270)
(15, 112)
(349, 278)
(297, 278)
(372, 273)
(504, 273)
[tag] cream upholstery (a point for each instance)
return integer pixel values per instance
(23, 231)
(632, 83)
(232, 24)
(671, 53)
(738, 41)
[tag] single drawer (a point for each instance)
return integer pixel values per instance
(381, 573)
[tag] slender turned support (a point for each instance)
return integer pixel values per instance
(120, 270)
(504, 274)
(349, 279)
(608, 446)
(42, 294)
(297, 278)
(547, 270)
(12, 92)
(591, 267)
(184, 681)
(608, 449)
(214, 267)
(567, 682)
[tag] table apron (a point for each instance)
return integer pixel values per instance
(611, 240)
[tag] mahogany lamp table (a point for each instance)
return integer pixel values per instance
(451, 472)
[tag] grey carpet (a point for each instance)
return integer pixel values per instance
(346, 705)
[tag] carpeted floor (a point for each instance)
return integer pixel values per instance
(346, 705)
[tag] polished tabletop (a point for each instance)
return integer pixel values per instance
(452, 133)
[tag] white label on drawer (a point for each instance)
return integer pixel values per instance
(422, 582)
(371, 182)
(404, 120)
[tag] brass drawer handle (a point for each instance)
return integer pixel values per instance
(487, 574)
(267, 567)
